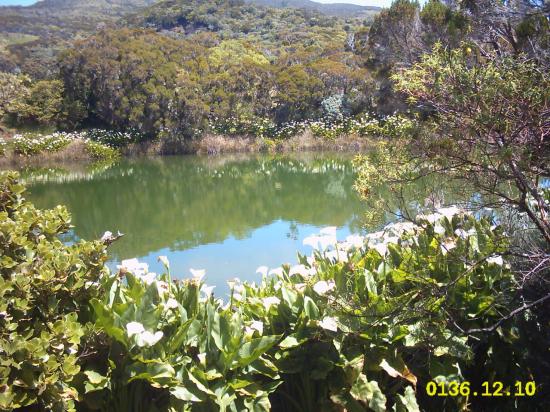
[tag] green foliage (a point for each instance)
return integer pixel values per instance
(511, 149)
(13, 88)
(100, 151)
(45, 287)
(29, 144)
(170, 336)
(216, 72)
(113, 138)
(42, 104)
(394, 127)
(330, 331)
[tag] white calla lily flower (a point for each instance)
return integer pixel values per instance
(106, 235)
(148, 338)
(297, 269)
(207, 290)
(329, 323)
(134, 328)
(171, 303)
(164, 261)
(496, 260)
(356, 240)
(312, 241)
(276, 271)
(323, 287)
(270, 301)
(198, 274)
(134, 266)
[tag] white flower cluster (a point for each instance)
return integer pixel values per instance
(326, 127)
(28, 144)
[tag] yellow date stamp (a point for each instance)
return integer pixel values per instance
(488, 389)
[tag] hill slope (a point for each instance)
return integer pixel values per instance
(31, 37)
(336, 9)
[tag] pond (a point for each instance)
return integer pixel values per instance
(227, 214)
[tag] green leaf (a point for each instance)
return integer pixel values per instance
(252, 350)
(369, 392)
(156, 372)
(310, 308)
(185, 394)
(406, 402)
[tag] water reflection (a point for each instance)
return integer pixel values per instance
(224, 214)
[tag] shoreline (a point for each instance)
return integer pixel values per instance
(209, 145)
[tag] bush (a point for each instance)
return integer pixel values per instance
(328, 127)
(113, 138)
(99, 151)
(45, 287)
(31, 144)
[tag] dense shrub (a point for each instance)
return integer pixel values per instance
(31, 143)
(99, 151)
(99, 144)
(325, 128)
(45, 287)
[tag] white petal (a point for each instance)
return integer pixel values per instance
(202, 358)
(333, 255)
(326, 241)
(106, 235)
(381, 248)
(356, 240)
(257, 325)
(329, 323)
(497, 260)
(323, 287)
(148, 278)
(233, 282)
(449, 212)
(134, 266)
(207, 290)
(312, 241)
(330, 231)
(149, 339)
(277, 271)
(270, 300)
(297, 269)
(164, 261)
(198, 274)
(171, 303)
(262, 270)
(134, 328)
(439, 229)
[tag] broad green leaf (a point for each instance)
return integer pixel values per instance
(369, 392)
(252, 350)
(406, 402)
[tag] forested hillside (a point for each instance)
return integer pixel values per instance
(334, 9)
(31, 37)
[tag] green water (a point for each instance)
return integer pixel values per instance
(227, 215)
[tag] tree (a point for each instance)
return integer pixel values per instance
(490, 123)
(42, 104)
(13, 88)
